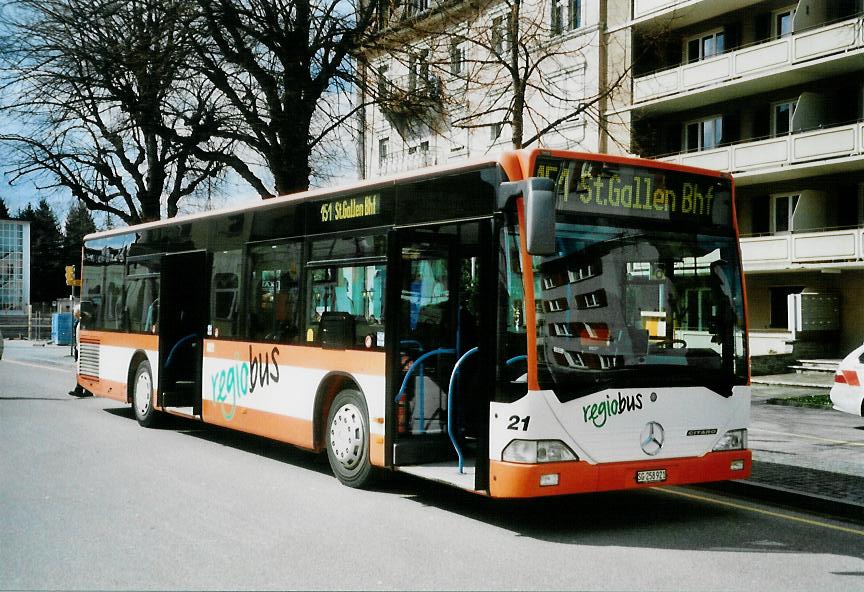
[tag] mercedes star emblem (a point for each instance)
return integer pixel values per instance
(652, 438)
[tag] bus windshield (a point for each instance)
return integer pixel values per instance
(639, 297)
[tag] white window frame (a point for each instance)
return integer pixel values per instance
(701, 37)
(776, 14)
(793, 199)
(701, 123)
(774, 120)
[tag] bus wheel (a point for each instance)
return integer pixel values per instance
(348, 439)
(142, 395)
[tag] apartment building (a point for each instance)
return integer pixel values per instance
(439, 75)
(770, 90)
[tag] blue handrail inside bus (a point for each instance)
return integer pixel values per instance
(512, 361)
(453, 375)
(419, 362)
(177, 346)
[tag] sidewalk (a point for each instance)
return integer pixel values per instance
(802, 457)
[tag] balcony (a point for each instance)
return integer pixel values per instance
(834, 149)
(759, 65)
(410, 160)
(803, 249)
(685, 12)
(411, 97)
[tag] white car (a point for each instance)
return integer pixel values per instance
(847, 394)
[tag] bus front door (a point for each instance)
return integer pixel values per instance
(440, 319)
(184, 289)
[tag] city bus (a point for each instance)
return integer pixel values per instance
(541, 323)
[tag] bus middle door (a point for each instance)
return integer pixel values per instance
(184, 296)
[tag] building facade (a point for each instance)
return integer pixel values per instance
(772, 91)
(449, 80)
(14, 267)
(769, 90)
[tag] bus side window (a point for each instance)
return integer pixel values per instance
(225, 294)
(274, 288)
(356, 290)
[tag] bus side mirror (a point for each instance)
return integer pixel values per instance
(539, 197)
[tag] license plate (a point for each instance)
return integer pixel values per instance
(655, 476)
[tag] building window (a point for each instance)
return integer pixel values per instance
(495, 131)
(565, 15)
(500, 35)
(705, 46)
(782, 212)
(782, 22)
(383, 151)
(457, 57)
(703, 134)
(575, 20)
(781, 117)
(557, 17)
(418, 71)
(383, 83)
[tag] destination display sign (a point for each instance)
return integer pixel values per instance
(622, 190)
(360, 210)
(350, 208)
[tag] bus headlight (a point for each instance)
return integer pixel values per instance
(537, 451)
(732, 440)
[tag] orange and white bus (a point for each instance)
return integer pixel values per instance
(542, 323)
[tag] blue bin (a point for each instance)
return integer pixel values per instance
(62, 328)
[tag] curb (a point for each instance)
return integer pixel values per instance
(829, 506)
(789, 383)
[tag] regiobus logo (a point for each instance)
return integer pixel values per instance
(599, 413)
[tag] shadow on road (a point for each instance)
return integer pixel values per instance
(646, 518)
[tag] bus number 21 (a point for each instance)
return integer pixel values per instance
(515, 420)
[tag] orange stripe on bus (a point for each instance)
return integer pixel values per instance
(529, 305)
(283, 428)
(104, 388)
(130, 340)
(514, 480)
(352, 361)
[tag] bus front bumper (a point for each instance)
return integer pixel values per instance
(515, 480)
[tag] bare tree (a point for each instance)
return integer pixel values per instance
(532, 66)
(105, 104)
(280, 64)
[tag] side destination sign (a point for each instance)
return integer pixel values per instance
(350, 208)
(621, 190)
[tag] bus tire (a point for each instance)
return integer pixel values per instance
(347, 438)
(142, 395)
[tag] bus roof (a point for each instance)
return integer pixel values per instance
(524, 156)
(303, 196)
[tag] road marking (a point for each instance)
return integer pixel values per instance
(844, 442)
(40, 366)
(760, 511)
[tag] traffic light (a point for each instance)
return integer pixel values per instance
(70, 275)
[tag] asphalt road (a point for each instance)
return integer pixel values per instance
(91, 500)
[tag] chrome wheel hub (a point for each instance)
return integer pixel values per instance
(346, 436)
(143, 394)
